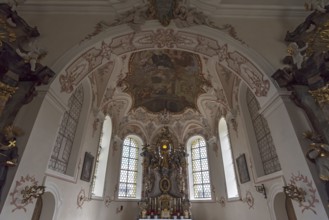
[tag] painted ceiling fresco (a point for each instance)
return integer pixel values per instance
(161, 80)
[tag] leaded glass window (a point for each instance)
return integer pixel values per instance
(200, 169)
(62, 150)
(227, 156)
(129, 169)
(265, 143)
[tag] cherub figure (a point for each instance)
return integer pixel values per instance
(13, 6)
(33, 55)
(318, 5)
(296, 53)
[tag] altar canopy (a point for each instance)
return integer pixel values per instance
(164, 181)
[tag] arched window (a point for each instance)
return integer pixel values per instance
(227, 156)
(267, 152)
(62, 150)
(101, 159)
(131, 169)
(199, 179)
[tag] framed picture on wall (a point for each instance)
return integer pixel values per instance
(243, 168)
(87, 167)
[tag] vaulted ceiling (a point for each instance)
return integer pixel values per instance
(182, 80)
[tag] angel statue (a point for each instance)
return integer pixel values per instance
(318, 5)
(319, 154)
(33, 54)
(296, 53)
(13, 6)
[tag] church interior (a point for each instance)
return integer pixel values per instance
(164, 109)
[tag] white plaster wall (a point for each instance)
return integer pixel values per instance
(37, 151)
(286, 137)
(25, 120)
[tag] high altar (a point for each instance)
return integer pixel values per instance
(164, 181)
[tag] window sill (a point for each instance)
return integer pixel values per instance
(268, 177)
(201, 200)
(235, 199)
(98, 198)
(128, 200)
(61, 176)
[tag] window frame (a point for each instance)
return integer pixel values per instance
(190, 170)
(266, 137)
(73, 164)
(238, 197)
(139, 170)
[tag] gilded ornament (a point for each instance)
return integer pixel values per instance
(30, 192)
(295, 193)
(321, 95)
(6, 33)
(6, 91)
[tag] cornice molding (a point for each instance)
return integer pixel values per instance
(105, 7)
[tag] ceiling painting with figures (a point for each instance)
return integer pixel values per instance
(161, 80)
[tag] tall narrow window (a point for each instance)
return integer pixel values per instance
(199, 171)
(130, 172)
(101, 159)
(230, 177)
(265, 143)
(62, 150)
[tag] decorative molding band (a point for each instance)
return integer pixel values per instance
(106, 7)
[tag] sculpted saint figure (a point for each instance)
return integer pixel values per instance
(319, 154)
(8, 153)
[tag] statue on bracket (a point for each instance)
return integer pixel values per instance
(8, 152)
(306, 75)
(319, 154)
(306, 69)
(20, 74)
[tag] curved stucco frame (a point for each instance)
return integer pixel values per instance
(273, 191)
(53, 189)
(83, 59)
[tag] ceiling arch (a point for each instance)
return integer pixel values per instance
(236, 57)
(105, 61)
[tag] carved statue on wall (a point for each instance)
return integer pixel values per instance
(20, 74)
(20, 71)
(318, 5)
(306, 68)
(319, 154)
(8, 152)
(306, 75)
(32, 55)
